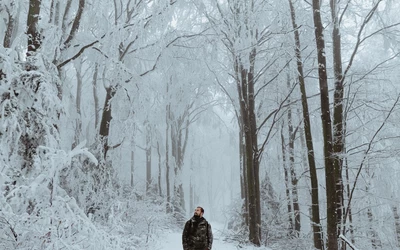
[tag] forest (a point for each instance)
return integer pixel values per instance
(119, 117)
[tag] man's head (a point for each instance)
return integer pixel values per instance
(199, 211)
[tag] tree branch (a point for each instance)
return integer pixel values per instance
(80, 52)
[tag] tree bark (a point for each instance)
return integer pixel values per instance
(34, 39)
(295, 198)
(332, 243)
(316, 223)
(287, 183)
(75, 24)
(106, 119)
(246, 92)
(243, 176)
(338, 134)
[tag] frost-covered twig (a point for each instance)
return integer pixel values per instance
(348, 242)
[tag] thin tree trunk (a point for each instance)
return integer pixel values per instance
(330, 181)
(375, 241)
(287, 183)
(148, 159)
(295, 198)
(316, 223)
(167, 122)
(337, 113)
(350, 214)
(11, 28)
(397, 223)
(159, 170)
(65, 17)
(78, 121)
(96, 97)
(34, 39)
(191, 196)
(243, 176)
(132, 167)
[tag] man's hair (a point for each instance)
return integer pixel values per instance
(202, 209)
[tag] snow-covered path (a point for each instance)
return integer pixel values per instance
(173, 241)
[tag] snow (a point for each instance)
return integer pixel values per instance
(172, 240)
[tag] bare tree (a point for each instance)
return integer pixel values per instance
(330, 180)
(316, 224)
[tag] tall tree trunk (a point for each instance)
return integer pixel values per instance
(349, 213)
(96, 97)
(287, 183)
(295, 198)
(330, 179)
(148, 158)
(244, 91)
(316, 222)
(159, 169)
(253, 131)
(243, 176)
(34, 37)
(338, 134)
(179, 139)
(167, 168)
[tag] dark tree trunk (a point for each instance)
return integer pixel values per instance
(316, 223)
(106, 119)
(254, 140)
(331, 195)
(338, 134)
(243, 176)
(246, 93)
(34, 37)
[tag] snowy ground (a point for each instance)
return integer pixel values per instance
(173, 241)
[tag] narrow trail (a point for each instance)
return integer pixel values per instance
(173, 241)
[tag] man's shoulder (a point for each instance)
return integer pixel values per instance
(206, 221)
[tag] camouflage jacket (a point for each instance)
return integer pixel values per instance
(197, 234)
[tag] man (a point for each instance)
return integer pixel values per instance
(197, 234)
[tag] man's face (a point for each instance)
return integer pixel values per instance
(198, 212)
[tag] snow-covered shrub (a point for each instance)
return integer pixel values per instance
(41, 215)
